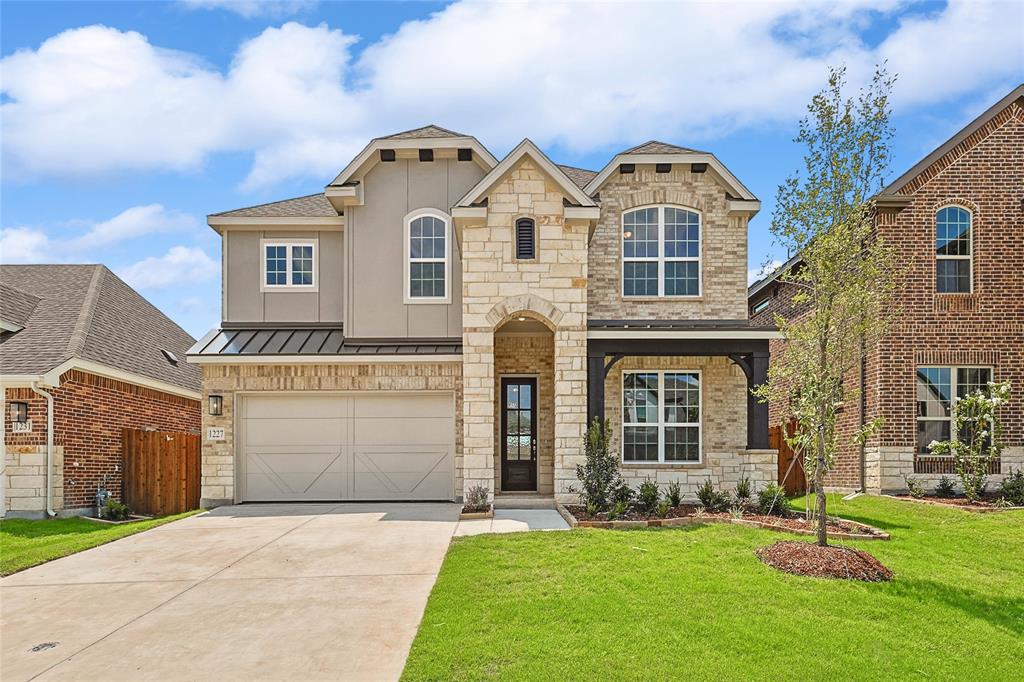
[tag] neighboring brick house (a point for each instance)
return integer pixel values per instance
(957, 221)
(109, 360)
(437, 319)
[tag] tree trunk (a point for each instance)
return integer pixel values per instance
(819, 500)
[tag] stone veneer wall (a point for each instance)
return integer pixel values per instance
(885, 469)
(528, 355)
(724, 434)
(551, 288)
(218, 468)
(723, 247)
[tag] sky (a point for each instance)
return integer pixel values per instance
(125, 123)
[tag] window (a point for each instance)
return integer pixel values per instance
(289, 265)
(661, 417)
(427, 251)
(938, 389)
(660, 252)
(525, 239)
(953, 250)
(760, 306)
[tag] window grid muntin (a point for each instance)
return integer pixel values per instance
(287, 264)
(958, 381)
(685, 271)
(656, 432)
(954, 234)
(427, 248)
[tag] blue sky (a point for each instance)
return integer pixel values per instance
(125, 123)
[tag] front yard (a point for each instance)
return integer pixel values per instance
(695, 602)
(25, 543)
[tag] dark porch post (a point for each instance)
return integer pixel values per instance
(595, 387)
(757, 413)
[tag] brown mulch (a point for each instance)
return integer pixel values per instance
(988, 501)
(634, 514)
(466, 509)
(793, 522)
(805, 558)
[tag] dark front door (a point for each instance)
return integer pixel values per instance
(518, 434)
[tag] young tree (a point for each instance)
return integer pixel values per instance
(846, 276)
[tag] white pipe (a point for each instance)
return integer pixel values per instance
(49, 447)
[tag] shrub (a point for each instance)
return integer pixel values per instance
(674, 493)
(1012, 488)
(772, 501)
(663, 508)
(647, 496)
(476, 497)
(115, 510)
(744, 491)
(618, 509)
(711, 499)
(914, 486)
(599, 476)
(622, 493)
(945, 487)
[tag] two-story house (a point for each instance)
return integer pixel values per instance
(957, 221)
(437, 319)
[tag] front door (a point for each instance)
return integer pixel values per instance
(518, 434)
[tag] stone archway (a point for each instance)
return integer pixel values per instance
(529, 305)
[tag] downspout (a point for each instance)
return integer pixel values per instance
(49, 447)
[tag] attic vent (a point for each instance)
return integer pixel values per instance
(426, 155)
(387, 154)
(626, 168)
(698, 167)
(171, 357)
(465, 155)
(663, 168)
(525, 240)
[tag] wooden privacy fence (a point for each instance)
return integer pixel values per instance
(791, 478)
(161, 471)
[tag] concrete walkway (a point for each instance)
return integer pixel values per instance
(254, 592)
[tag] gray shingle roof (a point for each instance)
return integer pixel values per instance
(655, 147)
(88, 312)
(309, 206)
(427, 131)
(15, 305)
(579, 176)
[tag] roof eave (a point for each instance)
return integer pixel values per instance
(736, 187)
(481, 155)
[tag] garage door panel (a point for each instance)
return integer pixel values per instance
(295, 432)
(296, 460)
(394, 431)
(402, 406)
(296, 407)
(262, 488)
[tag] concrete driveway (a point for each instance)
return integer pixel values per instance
(264, 592)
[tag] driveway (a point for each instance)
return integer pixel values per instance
(264, 592)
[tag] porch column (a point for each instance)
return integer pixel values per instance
(595, 388)
(757, 413)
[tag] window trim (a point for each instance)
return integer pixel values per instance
(288, 287)
(969, 258)
(953, 399)
(408, 260)
(661, 423)
(661, 258)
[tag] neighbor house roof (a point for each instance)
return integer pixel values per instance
(311, 205)
(87, 313)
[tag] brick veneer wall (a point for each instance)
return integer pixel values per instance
(723, 247)
(89, 413)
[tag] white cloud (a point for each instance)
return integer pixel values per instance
(585, 76)
(134, 222)
(251, 9)
(23, 245)
(757, 274)
(181, 265)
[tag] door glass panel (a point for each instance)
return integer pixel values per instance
(525, 392)
(512, 422)
(525, 422)
(512, 445)
(512, 396)
(524, 447)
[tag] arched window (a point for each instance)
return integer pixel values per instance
(427, 251)
(661, 252)
(953, 250)
(526, 239)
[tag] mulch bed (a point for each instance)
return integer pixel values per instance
(634, 514)
(808, 559)
(988, 502)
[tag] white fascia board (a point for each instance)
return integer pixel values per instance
(340, 197)
(52, 378)
(582, 212)
(470, 212)
(684, 334)
(278, 223)
(743, 206)
(317, 359)
(480, 154)
(734, 185)
(10, 326)
(19, 380)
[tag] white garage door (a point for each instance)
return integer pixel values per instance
(347, 447)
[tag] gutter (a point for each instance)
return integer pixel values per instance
(49, 447)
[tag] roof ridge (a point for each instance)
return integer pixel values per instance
(76, 344)
(269, 203)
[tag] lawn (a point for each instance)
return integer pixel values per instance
(694, 602)
(25, 543)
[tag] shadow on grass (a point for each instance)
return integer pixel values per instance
(1006, 614)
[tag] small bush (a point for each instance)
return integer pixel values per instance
(772, 501)
(945, 487)
(744, 490)
(476, 497)
(914, 486)
(674, 493)
(663, 508)
(647, 496)
(1012, 488)
(115, 510)
(622, 494)
(711, 499)
(599, 476)
(618, 509)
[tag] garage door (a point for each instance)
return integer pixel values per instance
(347, 447)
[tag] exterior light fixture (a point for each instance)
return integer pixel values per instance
(522, 319)
(216, 405)
(627, 235)
(19, 413)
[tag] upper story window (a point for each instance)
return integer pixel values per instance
(289, 265)
(760, 306)
(953, 250)
(427, 250)
(660, 252)
(526, 239)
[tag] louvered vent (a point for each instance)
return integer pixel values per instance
(525, 246)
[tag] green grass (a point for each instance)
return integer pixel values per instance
(695, 603)
(25, 543)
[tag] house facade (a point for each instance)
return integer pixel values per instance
(438, 319)
(957, 221)
(82, 356)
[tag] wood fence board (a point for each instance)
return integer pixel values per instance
(161, 471)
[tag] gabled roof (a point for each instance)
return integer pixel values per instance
(893, 188)
(86, 312)
(525, 148)
(309, 206)
(426, 132)
(656, 147)
(580, 176)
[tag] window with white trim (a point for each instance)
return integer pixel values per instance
(953, 250)
(661, 252)
(661, 416)
(938, 389)
(427, 249)
(288, 265)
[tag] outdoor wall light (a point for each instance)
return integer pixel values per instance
(19, 413)
(216, 405)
